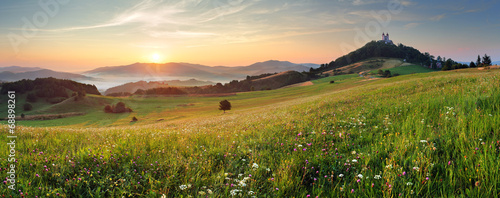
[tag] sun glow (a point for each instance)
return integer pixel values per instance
(156, 58)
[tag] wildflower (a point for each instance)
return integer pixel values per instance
(354, 161)
(268, 169)
(388, 166)
(409, 183)
(341, 175)
(352, 190)
(209, 191)
(300, 145)
(360, 176)
(359, 180)
(255, 166)
(416, 168)
(163, 196)
(377, 177)
(183, 187)
(202, 193)
(234, 192)
(423, 141)
(373, 185)
(353, 152)
(251, 192)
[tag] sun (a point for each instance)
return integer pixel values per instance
(156, 58)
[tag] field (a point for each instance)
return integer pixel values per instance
(409, 69)
(420, 135)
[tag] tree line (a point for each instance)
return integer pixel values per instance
(48, 87)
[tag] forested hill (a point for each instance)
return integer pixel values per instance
(48, 87)
(379, 49)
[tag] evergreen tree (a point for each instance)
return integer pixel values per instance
(472, 64)
(486, 60)
(478, 61)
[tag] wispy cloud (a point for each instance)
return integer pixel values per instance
(411, 25)
(437, 17)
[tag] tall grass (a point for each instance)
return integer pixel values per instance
(424, 135)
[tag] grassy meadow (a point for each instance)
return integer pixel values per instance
(420, 135)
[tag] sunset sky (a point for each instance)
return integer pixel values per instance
(71, 35)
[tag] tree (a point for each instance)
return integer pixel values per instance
(108, 109)
(27, 106)
(387, 74)
(380, 72)
(120, 108)
(478, 61)
(224, 105)
(486, 60)
(472, 64)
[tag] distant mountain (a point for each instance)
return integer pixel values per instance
(496, 63)
(41, 73)
(19, 69)
(134, 86)
(189, 71)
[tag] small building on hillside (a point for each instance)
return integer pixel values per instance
(385, 39)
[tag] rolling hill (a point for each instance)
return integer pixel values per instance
(134, 86)
(423, 135)
(19, 73)
(188, 71)
(19, 69)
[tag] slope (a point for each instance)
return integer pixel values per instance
(423, 135)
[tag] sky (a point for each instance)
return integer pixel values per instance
(71, 35)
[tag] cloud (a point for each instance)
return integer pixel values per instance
(407, 3)
(411, 25)
(437, 17)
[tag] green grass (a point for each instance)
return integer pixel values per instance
(423, 135)
(405, 70)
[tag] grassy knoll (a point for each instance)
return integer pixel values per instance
(422, 135)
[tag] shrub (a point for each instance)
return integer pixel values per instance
(120, 107)
(108, 109)
(134, 119)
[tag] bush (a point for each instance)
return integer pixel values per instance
(22, 115)
(134, 119)
(108, 109)
(331, 82)
(27, 106)
(118, 108)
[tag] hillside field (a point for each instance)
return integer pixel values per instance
(420, 135)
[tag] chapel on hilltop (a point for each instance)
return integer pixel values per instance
(385, 39)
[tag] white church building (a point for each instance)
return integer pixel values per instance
(385, 39)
